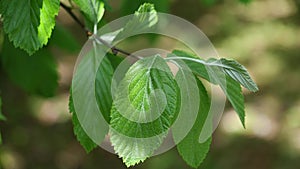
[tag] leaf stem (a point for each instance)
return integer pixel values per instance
(114, 49)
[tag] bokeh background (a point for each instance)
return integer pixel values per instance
(263, 35)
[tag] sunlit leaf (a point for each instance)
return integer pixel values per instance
(128, 6)
(143, 20)
(29, 23)
(92, 9)
(147, 98)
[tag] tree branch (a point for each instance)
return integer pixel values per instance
(114, 49)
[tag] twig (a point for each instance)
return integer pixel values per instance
(114, 49)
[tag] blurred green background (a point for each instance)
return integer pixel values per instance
(263, 35)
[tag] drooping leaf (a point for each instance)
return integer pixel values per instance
(230, 87)
(92, 9)
(86, 85)
(230, 67)
(141, 21)
(235, 96)
(236, 71)
(144, 108)
(29, 23)
(36, 74)
(191, 150)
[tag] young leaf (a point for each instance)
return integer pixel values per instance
(230, 87)
(35, 74)
(144, 108)
(128, 6)
(191, 150)
(142, 21)
(92, 9)
(29, 23)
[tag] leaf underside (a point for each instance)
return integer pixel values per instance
(229, 82)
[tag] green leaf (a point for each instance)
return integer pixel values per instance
(86, 85)
(103, 87)
(235, 96)
(92, 9)
(190, 149)
(35, 74)
(128, 6)
(104, 100)
(148, 99)
(230, 87)
(189, 104)
(29, 23)
(2, 117)
(115, 60)
(236, 71)
(79, 132)
(142, 21)
(230, 67)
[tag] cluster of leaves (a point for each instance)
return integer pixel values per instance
(28, 25)
(134, 136)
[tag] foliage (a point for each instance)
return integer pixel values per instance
(29, 23)
(147, 99)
